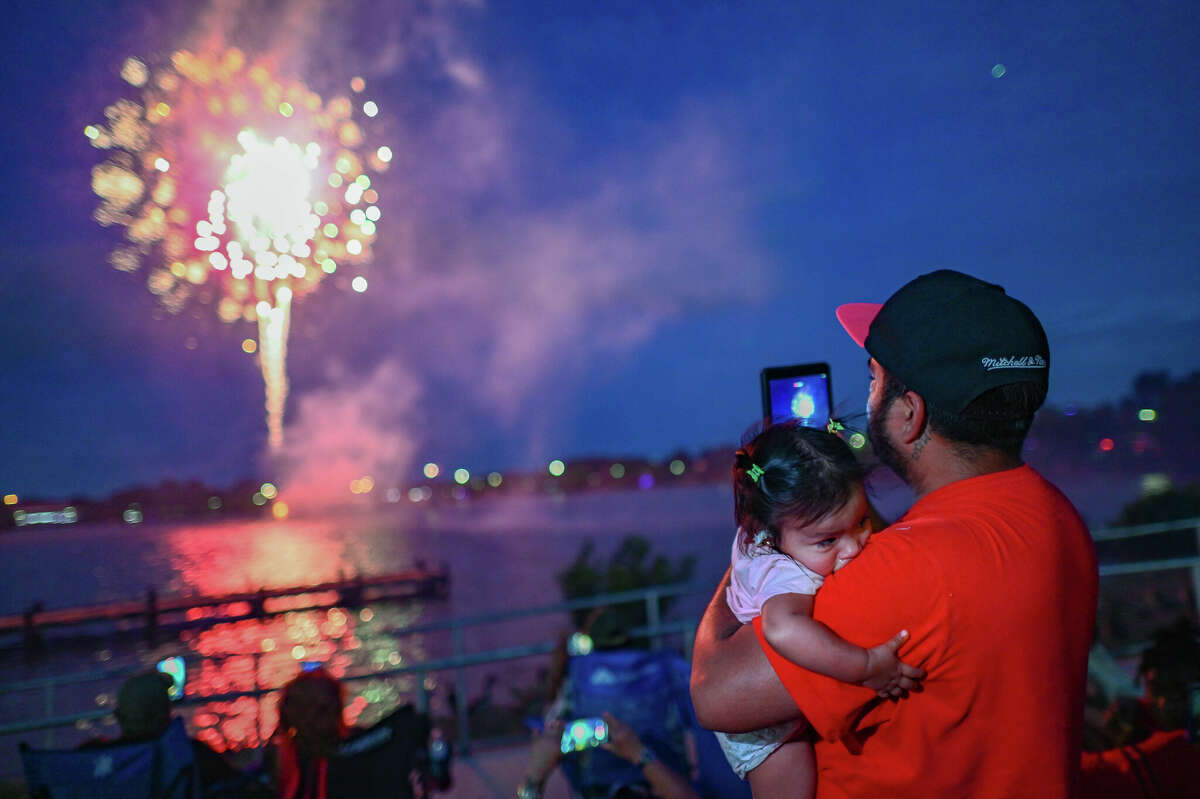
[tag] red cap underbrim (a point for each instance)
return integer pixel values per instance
(856, 317)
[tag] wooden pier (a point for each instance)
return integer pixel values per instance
(195, 610)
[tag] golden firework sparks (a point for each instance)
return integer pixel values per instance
(240, 189)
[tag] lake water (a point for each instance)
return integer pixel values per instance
(502, 555)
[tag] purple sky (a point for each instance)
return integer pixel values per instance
(602, 221)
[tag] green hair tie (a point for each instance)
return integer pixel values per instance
(754, 472)
(834, 427)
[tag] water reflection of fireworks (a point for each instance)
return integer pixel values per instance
(261, 655)
(238, 190)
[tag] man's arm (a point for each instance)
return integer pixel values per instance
(734, 687)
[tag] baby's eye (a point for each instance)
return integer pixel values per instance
(826, 543)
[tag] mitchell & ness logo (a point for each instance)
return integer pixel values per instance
(1014, 362)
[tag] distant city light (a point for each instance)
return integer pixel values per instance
(269, 490)
(10, 499)
(298, 652)
(359, 284)
(431, 470)
(132, 516)
(617, 471)
(677, 467)
(556, 468)
(1107, 445)
(494, 479)
(249, 346)
(1147, 415)
(461, 476)
(858, 440)
(67, 515)
(358, 84)
(370, 109)
(645, 481)
(258, 499)
(1155, 483)
(999, 71)
(214, 503)
(280, 510)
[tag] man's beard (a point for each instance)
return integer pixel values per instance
(882, 445)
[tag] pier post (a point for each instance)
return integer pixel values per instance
(34, 643)
(151, 616)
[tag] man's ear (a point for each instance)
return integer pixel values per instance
(912, 405)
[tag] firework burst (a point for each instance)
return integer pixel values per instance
(238, 190)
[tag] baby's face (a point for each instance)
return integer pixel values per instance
(832, 541)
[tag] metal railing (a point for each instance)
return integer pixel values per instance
(655, 630)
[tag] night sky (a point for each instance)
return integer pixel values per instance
(603, 219)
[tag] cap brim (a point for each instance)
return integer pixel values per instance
(856, 317)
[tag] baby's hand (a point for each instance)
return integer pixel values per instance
(886, 674)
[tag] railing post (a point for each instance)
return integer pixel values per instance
(1196, 575)
(460, 690)
(422, 694)
(48, 707)
(652, 619)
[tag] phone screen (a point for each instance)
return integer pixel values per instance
(174, 668)
(800, 392)
(583, 734)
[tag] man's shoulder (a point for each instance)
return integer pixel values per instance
(900, 558)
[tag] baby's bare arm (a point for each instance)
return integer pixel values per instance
(791, 630)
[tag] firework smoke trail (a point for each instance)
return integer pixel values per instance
(241, 190)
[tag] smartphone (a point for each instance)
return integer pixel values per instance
(580, 644)
(802, 391)
(174, 668)
(585, 733)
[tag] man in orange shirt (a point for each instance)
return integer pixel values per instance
(991, 571)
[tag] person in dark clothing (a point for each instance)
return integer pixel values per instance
(143, 712)
(1153, 758)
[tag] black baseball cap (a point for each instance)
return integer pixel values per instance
(950, 337)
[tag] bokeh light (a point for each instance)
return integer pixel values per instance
(461, 476)
(556, 468)
(677, 467)
(1147, 415)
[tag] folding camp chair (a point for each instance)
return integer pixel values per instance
(162, 768)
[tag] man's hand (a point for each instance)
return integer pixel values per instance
(887, 675)
(734, 687)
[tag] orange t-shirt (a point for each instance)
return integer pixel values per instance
(995, 579)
